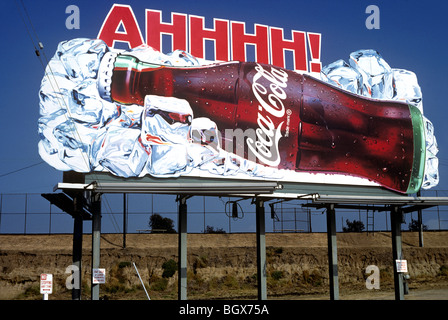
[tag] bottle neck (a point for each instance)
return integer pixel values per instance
(113, 61)
(105, 75)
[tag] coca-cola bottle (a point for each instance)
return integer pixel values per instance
(289, 120)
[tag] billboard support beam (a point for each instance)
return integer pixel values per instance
(96, 236)
(420, 225)
(125, 218)
(77, 247)
(261, 249)
(182, 249)
(332, 252)
(396, 218)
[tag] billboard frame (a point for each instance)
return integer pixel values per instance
(91, 186)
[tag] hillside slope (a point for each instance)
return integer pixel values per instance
(220, 265)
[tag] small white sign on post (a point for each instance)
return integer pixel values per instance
(46, 284)
(98, 276)
(402, 265)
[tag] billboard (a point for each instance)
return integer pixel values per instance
(138, 111)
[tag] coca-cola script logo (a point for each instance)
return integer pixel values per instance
(270, 99)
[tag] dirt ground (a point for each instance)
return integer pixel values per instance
(223, 266)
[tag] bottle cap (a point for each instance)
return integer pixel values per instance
(105, 75)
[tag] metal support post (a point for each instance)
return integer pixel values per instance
(332, 253)
(96, 235)
(420, 224)
(77, 257)
(261, 249)
(78, 201)
(182, 247)
(125, 213)
(396, 218)
(420, 228)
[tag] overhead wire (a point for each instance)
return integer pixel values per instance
(21, 169)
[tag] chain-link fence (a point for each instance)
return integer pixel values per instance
(30, 213)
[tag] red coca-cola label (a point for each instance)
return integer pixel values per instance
(268, 105)
(271, 114)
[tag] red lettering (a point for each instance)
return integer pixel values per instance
(240, 38)
(297, 45)
(121, 16)
(314, 44)
(155, 28)
(219, 34)
(270, 45)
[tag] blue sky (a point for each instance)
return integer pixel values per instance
(412, 36)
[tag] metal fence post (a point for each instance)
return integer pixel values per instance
(182, 248)
(261, 249)
(332, 253)
(96, 236)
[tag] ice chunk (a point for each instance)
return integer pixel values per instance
(70, 107)
(168, 160)
(74, 144)
(81, 57)
(166, 120)
(120, 151)
(431, 177)
(205, 132)
(130, 116)
(340, 74)
(407, 88)
(376, 73)
(205, 141)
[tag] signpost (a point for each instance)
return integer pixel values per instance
(98, 275)
(46, 284)
(402, 266)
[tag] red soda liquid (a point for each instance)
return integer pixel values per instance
(289, 120)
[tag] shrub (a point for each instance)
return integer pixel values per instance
(211, 229)
(160, 284)
(230, 282)
(277, 275)
(414, 226)
(169, 268)
(314, 279)
(200, 262)
(159, 224)
(443, 271)
(124, 264)
(353, 226)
